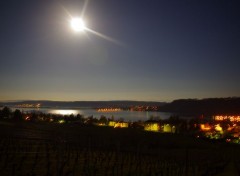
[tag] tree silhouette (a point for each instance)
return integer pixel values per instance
(6, 113)
(34, 117)
(80, 118)
(103, 119)
(17, 115)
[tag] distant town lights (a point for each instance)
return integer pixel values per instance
(224, 118)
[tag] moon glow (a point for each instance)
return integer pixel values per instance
(77, 24)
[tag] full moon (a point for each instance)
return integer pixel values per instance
(77, 24)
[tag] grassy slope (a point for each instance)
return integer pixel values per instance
(41, 149)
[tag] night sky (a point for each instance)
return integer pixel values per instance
(160, 50)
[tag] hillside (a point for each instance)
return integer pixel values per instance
(84, 104)
(209, 106)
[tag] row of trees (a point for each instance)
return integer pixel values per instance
(7, 114)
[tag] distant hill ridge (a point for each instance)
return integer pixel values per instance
(208, 106)
(85, 104)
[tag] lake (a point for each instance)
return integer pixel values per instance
(126, 115)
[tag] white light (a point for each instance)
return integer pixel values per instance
(63, 111)
(77, 24)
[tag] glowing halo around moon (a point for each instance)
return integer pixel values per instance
(77, 24)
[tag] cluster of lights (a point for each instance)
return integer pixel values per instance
(109, 110)
(29, 105)
(121, 125)
(152, 127)
(231, 118)
(205, 127)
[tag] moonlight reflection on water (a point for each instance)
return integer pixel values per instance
(63, 111)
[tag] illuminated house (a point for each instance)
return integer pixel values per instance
(121, 125)
(152, 126)
(205, 127)
(218, 128)
(167, 128)
(234, 131)
(111, 123)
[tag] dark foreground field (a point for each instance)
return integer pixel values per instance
(71, 149)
